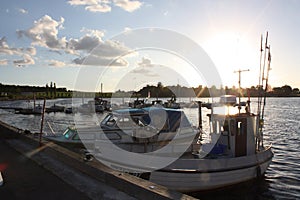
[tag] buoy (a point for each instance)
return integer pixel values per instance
(1, 179)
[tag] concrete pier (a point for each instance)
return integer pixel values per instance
(53, 172)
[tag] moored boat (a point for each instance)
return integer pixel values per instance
(234, 155)
(137, 130)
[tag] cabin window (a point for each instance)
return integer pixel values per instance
(240, 128)
(68, 133)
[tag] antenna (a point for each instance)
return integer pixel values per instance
(263, 87)
(240, 71)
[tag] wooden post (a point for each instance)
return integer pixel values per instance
(200, 114)
(42, 122)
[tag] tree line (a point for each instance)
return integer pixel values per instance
(51, 91)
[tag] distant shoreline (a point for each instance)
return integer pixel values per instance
(24, 99)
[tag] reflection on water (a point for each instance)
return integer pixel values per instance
(282, 129)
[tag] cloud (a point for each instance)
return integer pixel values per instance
(111, 48)
(88, 42)
(27, 60)
(128, 5)
(3, 62)
(105, 53)
(31, 51)
(26, 53)
(100, 61)
(56, 63)
(146, 62)
(5, 49)
(105, 5)
(23, 11)
(44, 32)
(98, 8)
(146, 72)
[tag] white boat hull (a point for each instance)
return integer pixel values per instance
(212, 173)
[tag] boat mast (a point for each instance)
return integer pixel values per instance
(263, 87)
(240, 71)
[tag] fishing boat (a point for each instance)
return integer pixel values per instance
(234, 154)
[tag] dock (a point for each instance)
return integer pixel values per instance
(51, 171)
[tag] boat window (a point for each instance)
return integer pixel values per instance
(105, 120)
(123, 121)
(68, 133)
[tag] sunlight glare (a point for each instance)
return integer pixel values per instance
(230, 51)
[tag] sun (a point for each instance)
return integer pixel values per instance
(231, 51)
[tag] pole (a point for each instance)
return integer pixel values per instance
(200, 114)
(42, 122)
(240, 71)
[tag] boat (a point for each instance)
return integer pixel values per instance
(55, 108)
(134, 130)
(36, 110)
(69, 138)
(234, 154)
(70, 110)
(143, 103)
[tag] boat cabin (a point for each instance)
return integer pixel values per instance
(232, 134)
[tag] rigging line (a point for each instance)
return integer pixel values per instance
(260, 68)
(267, 79)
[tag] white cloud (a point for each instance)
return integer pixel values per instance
(146, 62)
(145, 71)
(127, 29)
(56, 63)
(31, 51)
(26, 53)
(111, 48)
(128, 5)
(88, 42)
(3, 62)
(45, 33)
(23, 11)
(27, 60)
(105, 5)
(98, 8)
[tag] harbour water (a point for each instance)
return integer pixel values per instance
(282, 129)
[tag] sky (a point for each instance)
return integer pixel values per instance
(80, 44)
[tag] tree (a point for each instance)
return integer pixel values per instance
(47, 90)
(54, 86)
(286, 90)
(295, 91)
